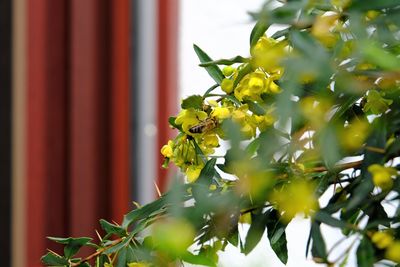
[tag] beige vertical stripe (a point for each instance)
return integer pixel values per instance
(19, 131)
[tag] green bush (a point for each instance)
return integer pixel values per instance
(314, 110)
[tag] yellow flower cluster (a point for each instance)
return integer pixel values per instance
(382, 176)
(200, 127)
(384, 240)
(297, 197)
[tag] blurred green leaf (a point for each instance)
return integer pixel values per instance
(326, 218)
(213, 70)
(365, 253)
(364, 5)
(72, 245)
(197, 259)
(255, 107)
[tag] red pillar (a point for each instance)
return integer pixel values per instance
(167, 77)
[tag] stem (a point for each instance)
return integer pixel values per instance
(98, 252)
(337, 168)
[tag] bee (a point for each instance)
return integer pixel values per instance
(204, 126)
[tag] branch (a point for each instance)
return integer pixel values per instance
(98, 252)
(337, 168)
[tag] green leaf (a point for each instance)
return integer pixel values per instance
(171, 121)
(209, 90)
(113, 229)
(252, 148)
(318, 249)
(277, 235)
(255, 107)
(143, 212)
(255, 233)
(363, 5)
(213, 70)
(72, 245)
(233, 99)
(230, 61)
(326, 218)
(51, 259)
(258, 31)
(207, 173)
(121, 262)
(193, 101)
(365, 253)
(197, 259)
(246, 69)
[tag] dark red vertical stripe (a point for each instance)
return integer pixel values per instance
(88, 155)
(167, 76)
(120, 108)
(46, 161)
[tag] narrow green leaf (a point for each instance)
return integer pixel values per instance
(255, 233)
(277, 235)
(111, 228)
(209, 90)
(252, 148)
(326, 218)
(318, 249)
(246, 69)
(363, 5)
(121, 260)
(255, 107)
(258, 31)
(143, 212)
(213, 70)
(171, 121)
(365, 253)
(230, 61)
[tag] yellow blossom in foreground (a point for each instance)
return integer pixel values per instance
(393, 252)
(382, 176)
(296, 197)
(173, 235)
(382, 239)
(323, 28)
(193, 173)
(354, 135)
(211, 140)
(167, 150)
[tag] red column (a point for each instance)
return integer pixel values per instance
(120, 57)
(46, 117)
(167, 77)
(88, 120)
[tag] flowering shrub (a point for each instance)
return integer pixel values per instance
(313, 111)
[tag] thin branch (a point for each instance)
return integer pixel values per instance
(98, 252)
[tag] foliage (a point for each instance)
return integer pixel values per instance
(314, 110)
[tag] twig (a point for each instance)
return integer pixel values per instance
(339, 167)
(98, 252)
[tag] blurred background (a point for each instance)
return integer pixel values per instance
(86, 89)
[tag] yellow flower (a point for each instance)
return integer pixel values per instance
(248, 130)
(382, 239)
(211, 140)
(221, 113)
(382, 176)
(264, 121)
(227, 71)
(323, 28)
(227, 85)
(272, 87)
(193, 173)
(167, 150)
(296, 197)
(267, 53)
(212, 102)
(189, 118)
(256, 84)
(353, 136)
(393, 252)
